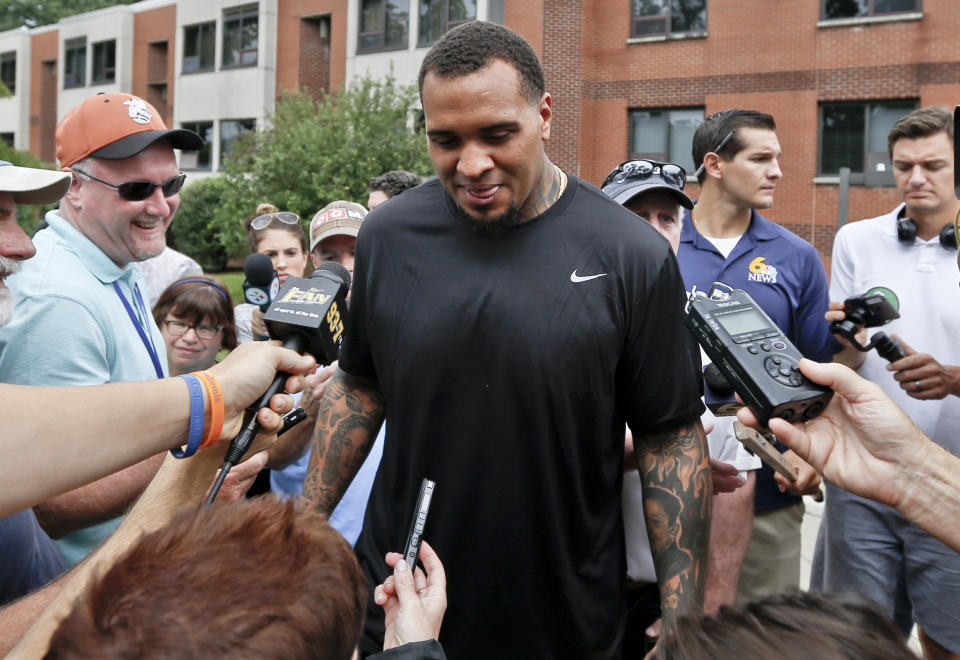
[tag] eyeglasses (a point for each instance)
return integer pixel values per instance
(137, 191)
(264, 221)
(718, 149)
(203, 331)
(643, 169)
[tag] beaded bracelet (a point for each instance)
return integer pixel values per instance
(215, 394)
(196, 418)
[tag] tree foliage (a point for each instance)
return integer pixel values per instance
(192, 231)
(317, 151)
(31, 13)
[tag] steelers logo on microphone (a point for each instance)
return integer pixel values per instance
(257, 296)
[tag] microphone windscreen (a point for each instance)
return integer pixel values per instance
(715, 379)
(339, 270)
(258, 270)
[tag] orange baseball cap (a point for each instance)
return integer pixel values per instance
(115, 126)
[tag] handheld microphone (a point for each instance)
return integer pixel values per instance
(308, 315)
(718, 393)
(260, 284)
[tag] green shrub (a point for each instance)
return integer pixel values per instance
(193, 231)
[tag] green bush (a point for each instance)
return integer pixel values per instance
(192, 230)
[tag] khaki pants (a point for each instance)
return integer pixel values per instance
(772, 564)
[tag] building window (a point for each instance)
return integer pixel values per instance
(198, 160)
(867, 8)
(75, 63)
(383, 25)
(665, 135)
(7, 139)
(661, 17)
(8, 71)
(104, 62)
(199, 45)
(438, 16)
(230, 130)
(240, 28)
(854, 135)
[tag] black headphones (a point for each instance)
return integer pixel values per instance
(907, 231)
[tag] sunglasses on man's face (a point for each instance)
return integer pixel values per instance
(643, 169)
(137, 191)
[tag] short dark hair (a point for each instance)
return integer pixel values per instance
(470, 47)
(920, 123)
(196, 298)
(717, 126)
(671, 503)
(394, 182)
(256, 578)
(790, 626)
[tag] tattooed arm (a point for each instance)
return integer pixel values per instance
(677, 491)
(348, 419)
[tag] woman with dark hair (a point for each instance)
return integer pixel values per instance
(195, 317)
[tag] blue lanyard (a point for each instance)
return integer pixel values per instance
(145, 336)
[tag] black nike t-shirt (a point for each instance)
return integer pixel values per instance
(508, 366)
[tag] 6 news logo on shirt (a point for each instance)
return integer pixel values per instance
(762, 272)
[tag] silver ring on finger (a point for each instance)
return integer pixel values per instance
(917, 386)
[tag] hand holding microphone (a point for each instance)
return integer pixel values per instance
(307, 315)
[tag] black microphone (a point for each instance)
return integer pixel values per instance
(261, 283)
(718, 393)
(307, 315)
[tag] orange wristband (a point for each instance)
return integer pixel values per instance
(215, 394)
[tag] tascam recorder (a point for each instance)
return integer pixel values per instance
(754, 355)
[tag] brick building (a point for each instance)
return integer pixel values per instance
(628, 77)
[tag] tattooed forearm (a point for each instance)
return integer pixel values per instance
(348, 419)
(677, 491)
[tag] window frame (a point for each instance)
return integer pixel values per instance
(223, 151)
(198, 128)
(240, 16)
(448, 24)
(665, 157)
(668, 19)
(871, 12)
(71, 47)
(9, 63)
(383, 47)
(94, 80)
(199, 67)
(864, 176)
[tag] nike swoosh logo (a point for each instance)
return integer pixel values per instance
(584, 278)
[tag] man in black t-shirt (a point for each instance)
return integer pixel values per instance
(508, 319)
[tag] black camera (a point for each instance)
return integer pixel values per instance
(754, 355)
(870, 310)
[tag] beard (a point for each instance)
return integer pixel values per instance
(7, 267)
(492, 227)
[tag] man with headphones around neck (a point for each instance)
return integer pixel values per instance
(865, 546)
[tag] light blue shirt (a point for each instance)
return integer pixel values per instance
(69, 326)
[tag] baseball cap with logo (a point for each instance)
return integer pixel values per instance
(115, 126)
(30, 185)
(340, 218)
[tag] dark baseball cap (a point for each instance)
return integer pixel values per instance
(635, 177)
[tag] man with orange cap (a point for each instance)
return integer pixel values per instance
(82, 317)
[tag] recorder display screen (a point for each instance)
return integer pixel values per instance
(737, 323)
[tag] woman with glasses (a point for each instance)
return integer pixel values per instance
(280, 236)
(195, 316)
